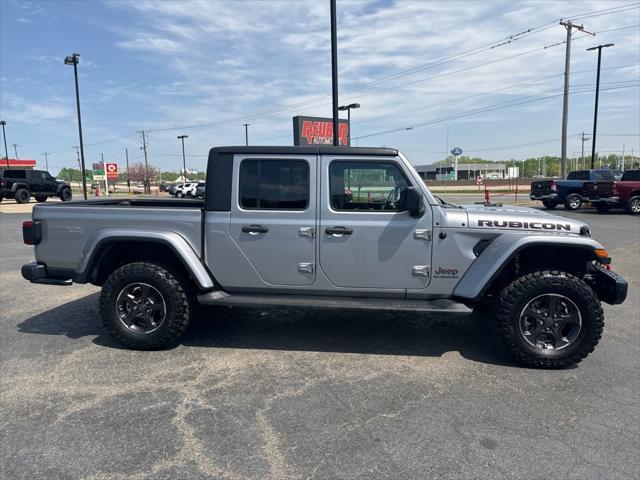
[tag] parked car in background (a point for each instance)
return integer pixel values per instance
(623, 193)
(200, 189)
(22, 184)
(568, 192)
(174, 188)
(139, 188)
(187, 190)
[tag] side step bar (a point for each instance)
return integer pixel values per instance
(348, 303)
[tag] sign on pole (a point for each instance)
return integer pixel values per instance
(319, 131)
(98, 171)
(112, 170)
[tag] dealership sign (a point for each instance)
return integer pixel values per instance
(318, 131)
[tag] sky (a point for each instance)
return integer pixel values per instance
(429, 75)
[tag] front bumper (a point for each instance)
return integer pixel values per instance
(610, 287)
(548, 196)
(37, 272)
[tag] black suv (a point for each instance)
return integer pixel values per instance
(23, 184)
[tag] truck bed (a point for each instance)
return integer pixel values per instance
(69, 228)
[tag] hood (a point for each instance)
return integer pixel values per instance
(522, 218)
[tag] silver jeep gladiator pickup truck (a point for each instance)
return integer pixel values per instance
(328, 227)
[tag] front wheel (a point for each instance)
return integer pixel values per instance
(602, 207)
(66, 195)
(144, 306)
(573, 202)
(633, 205)
(550, 204)
(549, 319)
(179, 195)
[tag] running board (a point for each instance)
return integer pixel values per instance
(349, 303)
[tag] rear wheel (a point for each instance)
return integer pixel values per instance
(602, 207)
(41, 198)
(573, 201)
(179, 195)
(549, 319)
(145, 306)
(66, 195)
(22, 195)
(550, 204)
(633, 205)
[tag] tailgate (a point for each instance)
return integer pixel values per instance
(541, 187)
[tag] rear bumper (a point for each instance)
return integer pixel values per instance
(610, 287)
(37, 272)
(547, 196)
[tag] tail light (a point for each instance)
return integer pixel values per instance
(31, 232)
(3, 182)
(614, 190)
(554, 186)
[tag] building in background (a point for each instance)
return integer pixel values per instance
(466, 171)
(24, 164)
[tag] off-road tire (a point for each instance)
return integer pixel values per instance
(517, 294)
(22, 195)
(573, 201)
(602, 207)
(550, 204)
(66, 195)
(633, 205)
(176, 294)
(41, 198)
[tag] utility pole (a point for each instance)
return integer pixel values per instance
(78, 156)
(126, 152)
(334, 71)
(4, 136)
(147, 183)
(246, 134)
(595, 113)
(622, 158)
(46, 160)
(15, 149)
(583, 138)
(565, 99)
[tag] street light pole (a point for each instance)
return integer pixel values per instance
(334, 71)
(73, 60)
(4, 136)
(595, 113)
(246, 133)
(184, 161)
(15, 149)
(46, 160)
(348, 109)
(126, 153)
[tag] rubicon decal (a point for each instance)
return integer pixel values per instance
(524, 225)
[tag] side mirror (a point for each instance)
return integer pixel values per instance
(411, 200)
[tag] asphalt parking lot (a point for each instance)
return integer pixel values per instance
(252, 394)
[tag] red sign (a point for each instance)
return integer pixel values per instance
(111, 170)
(318, 131)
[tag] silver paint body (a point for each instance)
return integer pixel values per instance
(389, 254)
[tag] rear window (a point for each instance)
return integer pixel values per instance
(15, 174)
(631, 176)
(267, 184)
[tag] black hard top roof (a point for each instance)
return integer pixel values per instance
(306, 150)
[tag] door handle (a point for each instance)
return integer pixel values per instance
(255, 229)
(338, 231)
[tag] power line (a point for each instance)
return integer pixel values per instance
(481, 110)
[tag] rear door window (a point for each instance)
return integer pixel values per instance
(273, 184)
(602, 175)
(14, 174)
(579, 175)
